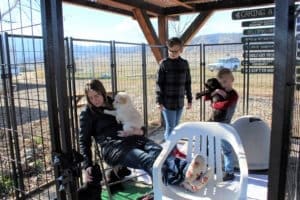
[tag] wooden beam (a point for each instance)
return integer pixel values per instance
(149, 32)
(183, 4)
(195, 26)
(163, 29)
(98, 6)
(142, 5)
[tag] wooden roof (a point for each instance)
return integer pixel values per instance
(166, 7)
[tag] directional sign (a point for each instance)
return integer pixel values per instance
(258, 31)
(257, 70)
(262, 54)
(258, 62)
(258, 47)
(265, 22)
(253, 13)
(258, 39)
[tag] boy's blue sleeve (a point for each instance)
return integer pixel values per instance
(188, 85)
(160, 82)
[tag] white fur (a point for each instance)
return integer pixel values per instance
(127, 114)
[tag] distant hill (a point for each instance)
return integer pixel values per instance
(217, 38)
(24, 48)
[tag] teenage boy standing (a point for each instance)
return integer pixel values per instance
(173, 83)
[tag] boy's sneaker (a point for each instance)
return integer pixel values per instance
(228, 176)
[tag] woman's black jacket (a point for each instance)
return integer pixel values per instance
(104, 128)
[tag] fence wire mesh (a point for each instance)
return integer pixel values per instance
(293, 167)
(25, 154)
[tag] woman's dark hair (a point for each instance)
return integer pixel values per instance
(174, 41)
(98, 87)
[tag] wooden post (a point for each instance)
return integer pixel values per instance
(149, 32)
(195, 26)
(163, 29)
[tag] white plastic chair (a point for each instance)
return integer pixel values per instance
(199, 134)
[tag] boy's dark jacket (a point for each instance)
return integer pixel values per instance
(173, 83)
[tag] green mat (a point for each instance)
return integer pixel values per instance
(132, 191)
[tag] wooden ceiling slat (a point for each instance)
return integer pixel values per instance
(142, 5)
(216, 5)
(95, 5)
(167, 7)
(179, 3)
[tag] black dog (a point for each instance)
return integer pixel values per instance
(115, 175)
(92, 190)
(211, 85)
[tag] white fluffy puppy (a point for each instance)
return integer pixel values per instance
(127, 114)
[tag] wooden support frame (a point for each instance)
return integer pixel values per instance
(216, 5)
(163, 29)
(149, 32)
(142, 5)
(196, 25)
(95, 5)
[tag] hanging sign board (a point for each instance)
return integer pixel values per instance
(258, 47)
(253, 13)
(258, 62)
(258, 39)
(259, 55)
(265, 22)
(258, 31)
(257, 70)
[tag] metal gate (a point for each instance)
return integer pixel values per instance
(25, 149)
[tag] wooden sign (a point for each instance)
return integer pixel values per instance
(262, 54)
(257, 70)
(258, 39)
(258, 31)
(258, 47)
(258, 62)
(253, 13)
(265, 22)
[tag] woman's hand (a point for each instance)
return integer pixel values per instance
(133, 131)
(88, 174)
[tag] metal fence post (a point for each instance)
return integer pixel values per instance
(113, 66)
(144, 76)
(58, 104)
(248, 79)
(10, 138)
(283, 97)
(13, 132)
(70, 86)
(204, 71)
(201, 80)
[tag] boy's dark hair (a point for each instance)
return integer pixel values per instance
(174, 41)
(223, 72)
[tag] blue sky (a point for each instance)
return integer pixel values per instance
(82, 22)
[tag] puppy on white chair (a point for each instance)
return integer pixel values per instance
(127, 114)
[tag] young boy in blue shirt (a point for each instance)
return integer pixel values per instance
(173, 83)
(226, 79)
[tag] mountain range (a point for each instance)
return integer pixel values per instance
(29, 50)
